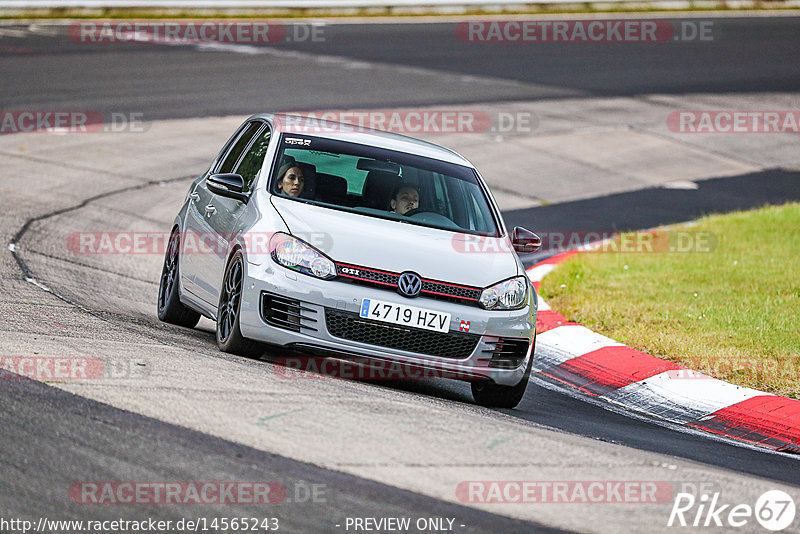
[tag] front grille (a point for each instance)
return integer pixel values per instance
(388, 280)
(286, 313)
(459, 292)
(508, 352)
(350, 326)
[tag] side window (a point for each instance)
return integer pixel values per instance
(238, 147)
(254, 159)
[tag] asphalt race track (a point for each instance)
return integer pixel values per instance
(750, 55)
(180, 410)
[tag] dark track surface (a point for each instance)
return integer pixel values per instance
(62, 431)
(52, 72)
(648, 208)
(556, 410)
(744, 55)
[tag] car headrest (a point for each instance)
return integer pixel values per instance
(330, 186)
(310, 174)
(378, 188)
(287, 159)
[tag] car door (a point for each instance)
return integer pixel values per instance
(227, 211)
(209, 219)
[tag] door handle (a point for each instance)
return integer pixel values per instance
(210, 210)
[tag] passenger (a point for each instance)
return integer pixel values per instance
(291, 181)
(404, 199)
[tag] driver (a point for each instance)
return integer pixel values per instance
(404, 199)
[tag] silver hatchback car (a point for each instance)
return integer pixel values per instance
(348, 243)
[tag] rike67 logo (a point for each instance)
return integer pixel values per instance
(774, 510)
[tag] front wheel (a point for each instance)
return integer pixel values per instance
(229, 335)
(170, 308)
(493, 395)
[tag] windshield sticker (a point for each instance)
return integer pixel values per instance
(298, 141)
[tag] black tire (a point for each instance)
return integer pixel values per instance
(491, 395)
(229, 336)
(170, 308)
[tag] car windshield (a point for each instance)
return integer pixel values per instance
(382, 183)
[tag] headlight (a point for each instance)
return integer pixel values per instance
(511, 294)
(299, 256)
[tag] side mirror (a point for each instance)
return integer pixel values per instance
(227, 185)
(524, 241)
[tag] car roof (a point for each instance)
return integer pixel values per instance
(309, 125)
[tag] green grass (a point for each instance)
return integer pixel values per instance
(731, 312)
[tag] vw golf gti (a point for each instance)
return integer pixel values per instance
(350, 243)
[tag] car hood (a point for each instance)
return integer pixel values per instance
(393, 246)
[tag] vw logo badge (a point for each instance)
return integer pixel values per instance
(409, 284)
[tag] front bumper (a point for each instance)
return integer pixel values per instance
(466, 356)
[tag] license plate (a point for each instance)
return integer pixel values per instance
(389, 312)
